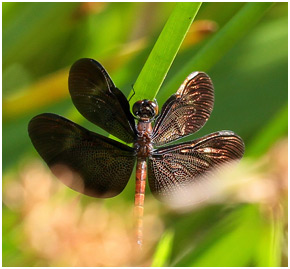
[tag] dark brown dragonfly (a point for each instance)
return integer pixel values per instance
(101, 167)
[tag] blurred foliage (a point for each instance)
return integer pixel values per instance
(242, 46)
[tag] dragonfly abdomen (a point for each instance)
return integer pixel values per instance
(141, 174)
(143, 147)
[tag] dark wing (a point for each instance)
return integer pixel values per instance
(97, 99)
(174, 167)
(186, 111)
(85, 161)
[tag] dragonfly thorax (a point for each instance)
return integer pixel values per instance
(143, 144)
(145, 110)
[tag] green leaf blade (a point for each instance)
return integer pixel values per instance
(163, 251)
(219, 45)
(164, 51)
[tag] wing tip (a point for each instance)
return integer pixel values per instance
(85, 63)
(240, 145)
(202, 75)
(196, 73)
(44, 116)
(35, 120)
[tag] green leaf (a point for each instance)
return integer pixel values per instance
(219, 45)
(163, 250)
(164, 51)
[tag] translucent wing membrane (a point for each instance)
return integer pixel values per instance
(186, 111)
(85, 161)
(173, 168)
(97, 99)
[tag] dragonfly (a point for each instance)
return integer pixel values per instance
(100, 167)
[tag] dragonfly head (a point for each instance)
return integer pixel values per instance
(145, 109)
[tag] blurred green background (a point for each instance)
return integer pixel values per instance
(47, 224)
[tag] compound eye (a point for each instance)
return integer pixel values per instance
(154, 106)
(136, 107)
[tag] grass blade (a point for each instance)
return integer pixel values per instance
(270, 246)
(164, 51)
(163, 250)
(219, 45)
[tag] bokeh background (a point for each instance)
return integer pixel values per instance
(244, 223)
